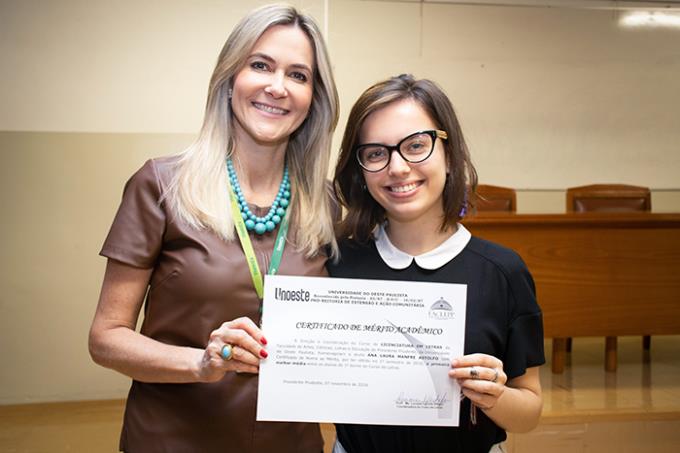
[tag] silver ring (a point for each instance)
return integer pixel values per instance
(474, 374)
(227, 352)
(495, 376)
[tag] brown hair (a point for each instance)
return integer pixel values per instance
(363, 213)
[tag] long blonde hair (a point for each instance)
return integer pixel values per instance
(198, 191)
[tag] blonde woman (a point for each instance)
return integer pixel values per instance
(194, 234)
(402, 176)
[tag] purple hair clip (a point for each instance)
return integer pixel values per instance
(464, 208)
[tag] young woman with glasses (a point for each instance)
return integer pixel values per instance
(402, 177)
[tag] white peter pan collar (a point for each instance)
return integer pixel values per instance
(434, 259)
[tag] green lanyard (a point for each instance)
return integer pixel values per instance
(279, 245)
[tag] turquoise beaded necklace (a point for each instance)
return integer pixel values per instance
(277, 211)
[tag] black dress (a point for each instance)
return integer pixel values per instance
(502, 319)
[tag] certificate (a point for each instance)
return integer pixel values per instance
(361, 351)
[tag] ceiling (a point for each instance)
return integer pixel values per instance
(585, 4)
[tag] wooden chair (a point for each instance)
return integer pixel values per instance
(603, 198)
(495, 199)
(609, 198)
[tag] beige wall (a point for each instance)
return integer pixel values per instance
(58, 193)
(90, 89)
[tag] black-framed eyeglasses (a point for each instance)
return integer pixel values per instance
(415, 148)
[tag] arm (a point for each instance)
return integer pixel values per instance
(519, 407)
(114, 343)
(514, 405)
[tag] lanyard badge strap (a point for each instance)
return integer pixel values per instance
(247, 246)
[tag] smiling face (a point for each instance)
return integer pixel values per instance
(273, 91)
(408, 192)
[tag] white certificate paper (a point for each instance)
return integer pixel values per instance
(361, 351)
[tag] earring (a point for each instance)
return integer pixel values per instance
(464, 208)
(230, 93)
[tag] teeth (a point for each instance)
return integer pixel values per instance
(269, 109)
(406, 188)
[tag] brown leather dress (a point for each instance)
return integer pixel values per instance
(198, 282)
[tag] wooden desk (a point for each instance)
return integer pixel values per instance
(597, 274)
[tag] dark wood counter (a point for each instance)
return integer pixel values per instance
(597, 274)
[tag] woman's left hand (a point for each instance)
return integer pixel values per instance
(481, 378)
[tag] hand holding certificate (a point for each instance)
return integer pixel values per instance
(361, 351)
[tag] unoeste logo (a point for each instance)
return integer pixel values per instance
(441, 310)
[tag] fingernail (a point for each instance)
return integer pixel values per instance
(263, 353)
(263, 340)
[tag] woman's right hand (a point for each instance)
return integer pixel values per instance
(246, 342)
